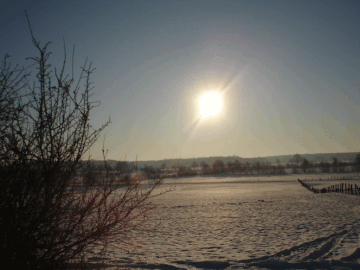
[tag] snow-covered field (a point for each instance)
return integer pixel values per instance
(248, 223)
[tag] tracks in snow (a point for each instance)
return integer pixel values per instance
(322, 252)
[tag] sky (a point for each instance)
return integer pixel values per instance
(288, 72)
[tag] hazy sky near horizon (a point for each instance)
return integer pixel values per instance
(288, 71)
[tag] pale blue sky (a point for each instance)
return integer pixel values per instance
(289, 72)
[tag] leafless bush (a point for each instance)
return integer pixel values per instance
(47, 217)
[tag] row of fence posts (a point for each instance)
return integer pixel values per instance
(352, 189)
(343, 177)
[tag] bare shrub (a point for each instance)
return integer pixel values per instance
(47, 216)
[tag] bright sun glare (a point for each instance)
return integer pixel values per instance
(210, 104)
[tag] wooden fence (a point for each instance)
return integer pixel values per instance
(346, 188)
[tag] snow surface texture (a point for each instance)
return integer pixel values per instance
(247, 223)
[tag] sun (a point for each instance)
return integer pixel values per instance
(210, 104)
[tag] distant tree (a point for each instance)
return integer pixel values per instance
(109, 168)
(294, 169)
(273, 168)
(297, 159)
(151, 172)
(218, 166)
(266, 167)
(185, 171)
(278, 161)
(194, 165)
(122, 167)
(237, 166)
(204, 167)
(335, 165)
(311, 167)
(257, 167)
(305, 165)
(248, 169)
(163, 166)
(280, 169)
(324, 167)
(230, 167)
(182, 170)
(342, 166)
(90, 174)
(294, 162)
(357, 163)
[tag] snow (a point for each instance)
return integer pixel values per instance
(247, 223)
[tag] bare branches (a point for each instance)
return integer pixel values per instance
(48, 216)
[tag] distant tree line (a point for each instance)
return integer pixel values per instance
(297, 164)
(284, 159)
